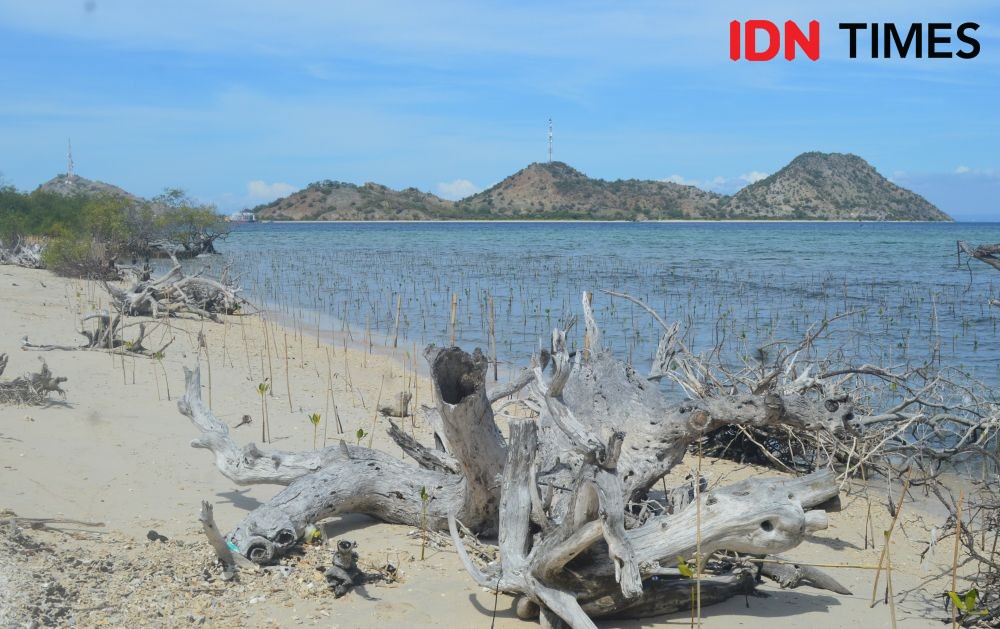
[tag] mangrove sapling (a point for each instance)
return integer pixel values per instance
(314, 418)
(203, 346)
(954, 561)
(262, 389)
(158, 357)
(371, 435)
(288, 382)
(424, 497)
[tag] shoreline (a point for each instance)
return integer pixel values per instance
(117, 451)
(598, 221)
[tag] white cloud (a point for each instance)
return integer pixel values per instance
(724, 185)
(258, 190)
(961, 170)
(753, 176)
(457, 189)
(679, 180)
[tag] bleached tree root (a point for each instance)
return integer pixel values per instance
(790, 575)
(21, 254)
(175, 293)
(31, 389)
(218, 543)
(352, 479)
(106, 335)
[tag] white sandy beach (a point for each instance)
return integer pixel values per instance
(117, 451)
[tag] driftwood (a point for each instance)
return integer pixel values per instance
(31, 389)
(105, 334)
(568, 494)
(399, 407)
(990, 254)
(218, 543)
(21, 254)
(175, 293)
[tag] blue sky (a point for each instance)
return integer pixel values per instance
(240, 102)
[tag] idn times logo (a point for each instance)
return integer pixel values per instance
(761, 40)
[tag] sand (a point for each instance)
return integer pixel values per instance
(117, 451)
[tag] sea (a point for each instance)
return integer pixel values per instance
(739, 290)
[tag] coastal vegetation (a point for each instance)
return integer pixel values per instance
(85, 233)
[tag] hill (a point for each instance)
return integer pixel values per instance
(830, 186)
(816, 186)
(556, 190)
(336, 200)
(73, 185)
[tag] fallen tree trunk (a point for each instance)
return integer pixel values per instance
(568, 495)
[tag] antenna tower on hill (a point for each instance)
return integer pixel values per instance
(69, 159)
(550, 140)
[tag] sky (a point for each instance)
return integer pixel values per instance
(242, 102)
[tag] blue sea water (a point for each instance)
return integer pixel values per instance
(738, 285)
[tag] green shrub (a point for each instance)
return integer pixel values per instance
(71, 255)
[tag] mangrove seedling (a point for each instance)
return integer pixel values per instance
(159, 359)
(424, 497)
(965, 605)
(360, 434)
(314, 418)
(262, 390)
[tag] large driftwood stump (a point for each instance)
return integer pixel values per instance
(568, 493)
(174, 293)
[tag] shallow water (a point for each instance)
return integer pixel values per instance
(738, 284)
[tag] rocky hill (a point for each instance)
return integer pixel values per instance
(336, 200)
(558, 191)
(72, 185)
(829, 186)
(817, 186)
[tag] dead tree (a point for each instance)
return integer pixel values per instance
(104, 333)
(31, 389)
(568, 493)
(990, 254)
(21, 254)
(175, 293)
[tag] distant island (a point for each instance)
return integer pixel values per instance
(813, 186)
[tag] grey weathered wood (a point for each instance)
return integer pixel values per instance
(428, 458)
(21, 254)
(215, 539)
(791, 575)
(399, 406)
(557, 491)
(31, 389)
(351, 479)
(174, 293)
(459, 381)
(105, 334)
